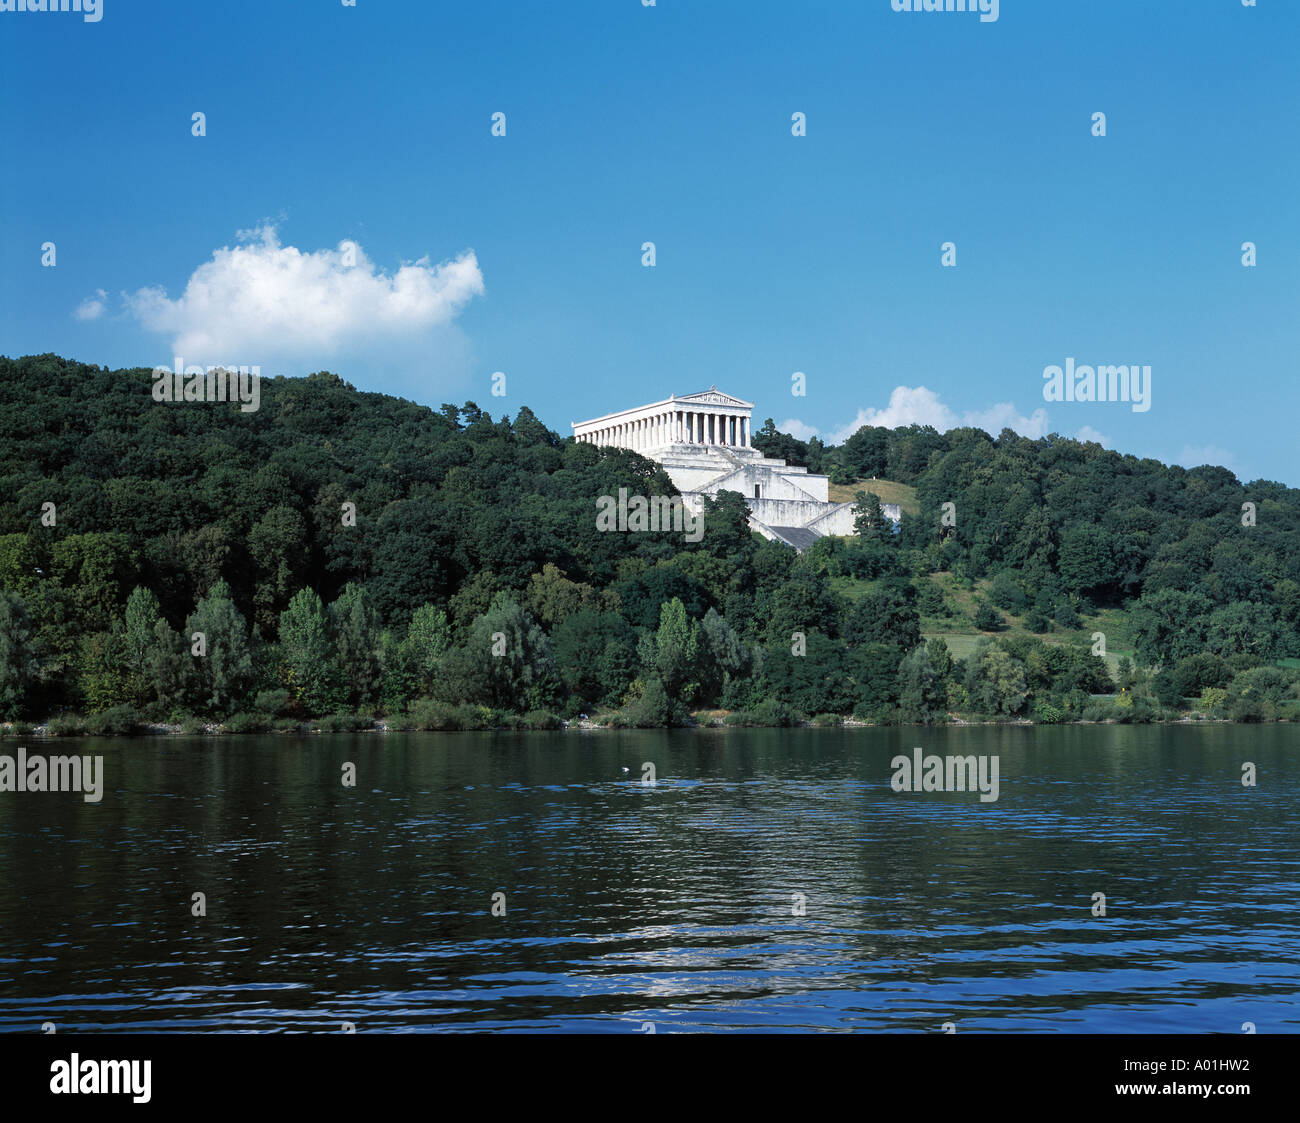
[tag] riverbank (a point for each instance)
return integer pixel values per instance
(347, 723)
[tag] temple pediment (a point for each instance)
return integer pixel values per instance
(713, 397)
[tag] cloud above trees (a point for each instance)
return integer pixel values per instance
(260, 300)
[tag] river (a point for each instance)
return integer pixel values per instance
(768, 880)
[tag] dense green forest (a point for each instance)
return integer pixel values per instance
(170, 562)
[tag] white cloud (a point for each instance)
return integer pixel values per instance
(92, 307)
(1194, 456)
(908, 405)
(1088, 433)
(917, 405)
(797, 429)
(1004, 416)
(262, 300)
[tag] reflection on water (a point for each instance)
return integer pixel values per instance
(670, 904)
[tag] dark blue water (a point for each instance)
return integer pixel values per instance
(668, 906)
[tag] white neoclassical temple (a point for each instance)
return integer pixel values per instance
(707, 418)
(703, 443)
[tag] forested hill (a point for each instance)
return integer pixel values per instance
(173, 518)
(194, 491)
(1204, 562)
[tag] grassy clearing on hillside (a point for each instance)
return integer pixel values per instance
(958, 631)
(961, 635)
(888, 491)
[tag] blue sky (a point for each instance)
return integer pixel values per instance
(625, 124)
